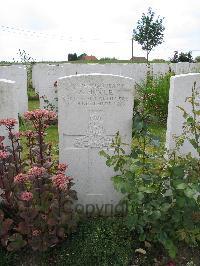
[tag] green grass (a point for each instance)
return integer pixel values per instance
(160, 131)
(52, 131)
(33, 104)
(99, 242)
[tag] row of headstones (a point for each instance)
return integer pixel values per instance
(92, 108)
(45, 76)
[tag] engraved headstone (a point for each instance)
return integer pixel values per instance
(180, 88)
(92, 108)
(8, 105)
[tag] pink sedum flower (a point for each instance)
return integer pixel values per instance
(9, 122)
(28, 134)
(61, 181)
(4, 154)
(2, 138)
(20, 178)
(40, 114)
(36, 232)
(36, 171)
(62, 167)
(26, 196)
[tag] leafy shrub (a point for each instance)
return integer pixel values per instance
(163, 195)
(197, 59)
(154, 97)
(36, 195)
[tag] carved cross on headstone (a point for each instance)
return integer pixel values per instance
(95, 136)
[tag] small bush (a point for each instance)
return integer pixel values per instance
(154, 97)
(36, 195)
(163, 196)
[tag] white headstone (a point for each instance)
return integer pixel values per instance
(92, 108)
(180, 88)
(47, 85)
(8, 105)
(182, 68)
(159, 69)
(194, 67)
(18, 74)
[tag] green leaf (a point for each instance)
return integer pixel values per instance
(132, 221)
(178, 171)
(181, 186)
(104, 154)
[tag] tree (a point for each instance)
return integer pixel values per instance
(197, 58)
(72, 57)
(149, 31)
(81, 56)
(182, 57)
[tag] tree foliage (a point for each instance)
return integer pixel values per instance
(149, 31)
(182, 57)
(72, 57)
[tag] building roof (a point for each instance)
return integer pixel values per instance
(89, 57)
(138, 59)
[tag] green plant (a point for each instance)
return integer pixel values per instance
(149, 31)
(154, 97)
(197, 58)
(53, 105)
(162, 194)
(36, 195)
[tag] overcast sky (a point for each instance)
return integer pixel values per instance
(49, 30)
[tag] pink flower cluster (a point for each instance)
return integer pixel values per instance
(9, 122)
(61, 181)
(20, 178)
(36, 171)
(2, 138)
(4, 154)
(36, 232)
(62, 167)
(26, 196)
(28, 134)
(40, 114)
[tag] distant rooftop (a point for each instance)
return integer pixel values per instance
(89, 58)
(138, 59)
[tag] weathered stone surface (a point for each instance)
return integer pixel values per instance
(18, 74)
(182, 68)
(92, 108)
(180, 88)
(159, 69)
(8, 105)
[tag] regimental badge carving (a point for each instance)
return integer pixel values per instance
(95, 136)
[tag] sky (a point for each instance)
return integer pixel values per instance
(49, 29)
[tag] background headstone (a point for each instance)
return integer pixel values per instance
(92, 108)
(159, 69)
(18, 74)
(8, 105)
(180, 88)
